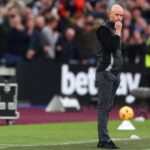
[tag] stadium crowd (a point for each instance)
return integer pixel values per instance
(64, 30)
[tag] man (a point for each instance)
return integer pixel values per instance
(50, 36)
(36, 44)
(66, 48)
(17, 42)
(109, 63)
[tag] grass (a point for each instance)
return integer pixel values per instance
(70, 136)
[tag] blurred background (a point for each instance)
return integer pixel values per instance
(48, 47)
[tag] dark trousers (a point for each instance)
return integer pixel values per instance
(107, 84)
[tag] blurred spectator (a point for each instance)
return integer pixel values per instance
(79, 4)
(2, 34)
(17, 42)
(35, 42)
(140, 47)
(72, 7)
(2, 40)
(42, 6)
(136, 48)
(78, 22)
(98, 22)
(92, 2)
(10, 12)
(27, 15)
(125, 44)
(147, 48)
(66, 48)
(100, 10)
(65, 17)
(50, 36)
(87, 35)
(148, 39)
(38, 39)
(16, 7)
(127, 18)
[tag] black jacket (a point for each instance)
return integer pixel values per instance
(65, 50)
(109, 55)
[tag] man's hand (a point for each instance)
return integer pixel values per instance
(20, 27)
(118, 28)
(30, 54)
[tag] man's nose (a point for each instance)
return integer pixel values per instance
(119, 18)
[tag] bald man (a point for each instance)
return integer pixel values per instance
(109, 64)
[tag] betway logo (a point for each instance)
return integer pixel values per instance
(83, 83)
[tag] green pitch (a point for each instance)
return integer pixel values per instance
(70, 136)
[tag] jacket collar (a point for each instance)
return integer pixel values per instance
(111, 24)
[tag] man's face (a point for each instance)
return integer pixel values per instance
(40, 22)
(116, 15)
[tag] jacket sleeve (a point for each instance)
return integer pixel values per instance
(109, 41)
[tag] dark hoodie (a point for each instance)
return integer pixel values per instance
(109, 55)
